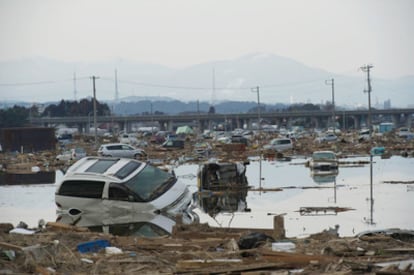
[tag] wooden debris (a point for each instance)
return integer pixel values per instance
(65, 227)
(399, 182)
(333, 210)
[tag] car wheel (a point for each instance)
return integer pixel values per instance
(138, 156)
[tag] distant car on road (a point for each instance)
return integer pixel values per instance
(120, 150)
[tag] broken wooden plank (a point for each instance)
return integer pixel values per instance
(10, 246)
(65, 227)
(295, 259)
(399, 181)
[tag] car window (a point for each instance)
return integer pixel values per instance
(127, 169)
(82, 188)
(126, 147)
(151, 183)
(118, 193)
(101, 166)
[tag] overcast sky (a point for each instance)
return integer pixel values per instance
(335, 35)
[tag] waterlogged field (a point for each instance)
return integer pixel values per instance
(360, 197)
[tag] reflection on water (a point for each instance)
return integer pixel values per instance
(139, 224)
(320, 176)
(297, 189)
(222, 188)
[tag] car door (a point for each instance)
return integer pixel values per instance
(127, 151)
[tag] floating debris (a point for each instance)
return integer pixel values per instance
(316, 211)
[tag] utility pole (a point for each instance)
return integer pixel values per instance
(367, 68)
(332, 83)
(94, 108)
(74, 86)
(256, 90)
(152, 119)
(116, 86)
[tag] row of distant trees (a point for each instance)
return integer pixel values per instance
(18, 116)
(74, 108)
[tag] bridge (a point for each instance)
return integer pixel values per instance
(343, 119)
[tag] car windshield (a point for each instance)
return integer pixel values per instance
(323, 155)
(150, 183)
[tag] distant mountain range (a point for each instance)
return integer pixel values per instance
(280, 80)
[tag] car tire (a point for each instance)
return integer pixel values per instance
(138, 156)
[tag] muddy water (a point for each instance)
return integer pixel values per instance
(391, 203)
(374, 206)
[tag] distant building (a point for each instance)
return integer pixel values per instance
(27, 139)
(387, 104)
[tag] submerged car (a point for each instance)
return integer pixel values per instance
(323, 160)
(120, 186)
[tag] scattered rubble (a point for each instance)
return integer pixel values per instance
(199, 249)
(347, 146)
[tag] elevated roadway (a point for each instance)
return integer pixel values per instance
(346, 119)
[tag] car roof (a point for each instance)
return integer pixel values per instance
(102, 168)
(117, 143)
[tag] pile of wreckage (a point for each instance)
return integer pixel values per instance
(56, 248)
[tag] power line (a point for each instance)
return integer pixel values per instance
(146, 84)
(156, 85)
(46, 82)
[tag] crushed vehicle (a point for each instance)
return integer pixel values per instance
(202, 148)
(174, 143)
(222, 187)
(364, 134)
(323, 160)
(119, 186)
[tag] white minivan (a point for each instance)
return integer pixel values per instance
(279, 144)
(120, 186)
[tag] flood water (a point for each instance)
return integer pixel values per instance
(379, 205)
